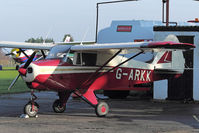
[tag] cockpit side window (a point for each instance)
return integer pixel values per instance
(89, 59)
(68, 58)
(86, 59)
(78, 60)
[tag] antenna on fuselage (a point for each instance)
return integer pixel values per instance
(84, 36)
(50, 29)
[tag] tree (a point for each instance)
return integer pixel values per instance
(40, 40)
(5, 60)
(68, 35)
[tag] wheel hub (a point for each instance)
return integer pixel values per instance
(103, 109)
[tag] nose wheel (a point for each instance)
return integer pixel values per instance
(102, 109)
(31, 108)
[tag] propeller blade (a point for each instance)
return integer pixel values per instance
(9, 54)
(13, 82)
(30, 59)
(43, 54)
(23, 51)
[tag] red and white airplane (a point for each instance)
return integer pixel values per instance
(114, 66)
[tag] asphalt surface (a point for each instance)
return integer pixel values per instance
(125, 116)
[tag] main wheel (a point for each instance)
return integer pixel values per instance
(102, 109)
(31, 110)
(57, 107)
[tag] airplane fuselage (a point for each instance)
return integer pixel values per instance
(58, 76)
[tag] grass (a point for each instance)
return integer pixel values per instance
(6, 78)
(9, 68)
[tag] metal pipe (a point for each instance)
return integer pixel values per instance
(109, 2)
(163, 3)
(97, 13)
(167, 13)
(96, 23)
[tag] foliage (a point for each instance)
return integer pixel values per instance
(40, 40)
(5, 60)
(71, 38)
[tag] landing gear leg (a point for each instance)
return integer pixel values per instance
(31, 108)
(101, 108)
(59, 105)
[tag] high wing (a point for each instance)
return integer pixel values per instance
(74, 43)
(96, 47)
(24, 45)
(40, 46)
(132, 45)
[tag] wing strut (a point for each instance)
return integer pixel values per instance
(123, 62)
(107, 62)
(94, 75)
(43, 54)
(23, 52)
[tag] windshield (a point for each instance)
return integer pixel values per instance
(58, 51)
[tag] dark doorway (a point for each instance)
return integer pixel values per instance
(182, 87)
(88, 59)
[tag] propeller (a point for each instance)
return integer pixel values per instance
(30, 59)
(22, 70)
(13, 82)
(9, 54)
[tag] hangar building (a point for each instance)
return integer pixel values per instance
(184, 88)
(127, 31)
(187, 86)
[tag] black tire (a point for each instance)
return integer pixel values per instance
(116, 94)
(57, 107)
(29, 111)
(17, 67)
(102, 109)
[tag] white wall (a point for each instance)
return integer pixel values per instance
(140, 30)
(160, 90)
(159, 36)
(196, 68)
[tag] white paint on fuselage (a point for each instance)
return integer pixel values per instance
(44, 70)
